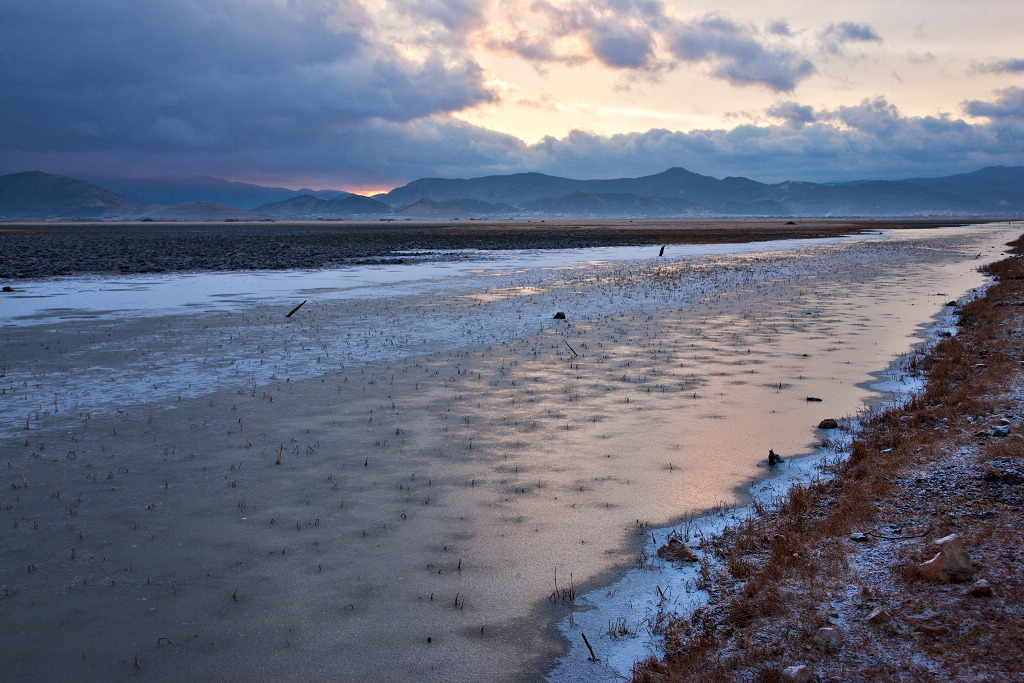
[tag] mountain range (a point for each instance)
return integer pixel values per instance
(996, 191)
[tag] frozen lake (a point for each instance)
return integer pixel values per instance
(425, 449)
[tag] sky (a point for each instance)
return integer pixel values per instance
(367, 95)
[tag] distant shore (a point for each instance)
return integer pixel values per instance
(35, 250)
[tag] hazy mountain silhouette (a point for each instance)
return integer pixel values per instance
(993, 191)
(608, 205)
(456, 208)
(307, 206)
(205, 189)
(35, 195)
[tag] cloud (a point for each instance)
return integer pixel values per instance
(454, 15)
(630, 34)
(872, 139)
(622, 46)
(219, 76)
(869, 140)
(326, 93)
(836, 35)
(1009, 105)
(616, 33)
(738, 54)
(1008, 66)
(533, 48)
(796, 116)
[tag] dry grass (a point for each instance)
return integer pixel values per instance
(915, 473)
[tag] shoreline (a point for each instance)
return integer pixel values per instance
(658, 590)
(862, 604)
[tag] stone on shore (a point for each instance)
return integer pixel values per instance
(796, 674)
(827, 637)
(675, 549)
(951, 563)
(879, 616)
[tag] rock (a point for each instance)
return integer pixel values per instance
(676, 550)
(994, 473)
(932, 629)
(796, 674)
(999, 431)
(814, 399)
(951, 563)
(559, 316)
(1011, 477)
(859, 537)
(829, 423)
(827, 637)
(879, 616)
(980, 589)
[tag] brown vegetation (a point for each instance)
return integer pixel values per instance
(843, 553)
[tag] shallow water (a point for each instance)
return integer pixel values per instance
(447, 448)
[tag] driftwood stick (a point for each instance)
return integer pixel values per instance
(571, 349)
(292, 312)
(593, 657)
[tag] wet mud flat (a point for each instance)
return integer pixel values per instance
(240, 495)
(53, 249)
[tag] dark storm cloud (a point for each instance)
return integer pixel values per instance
(229, 75)
(277, 90)
(738, 54)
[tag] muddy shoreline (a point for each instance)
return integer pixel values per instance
(943, 464)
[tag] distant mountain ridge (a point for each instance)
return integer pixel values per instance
(35, 195)
(309, 206)
(996, 190)
(210, 189)
(676, 192)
